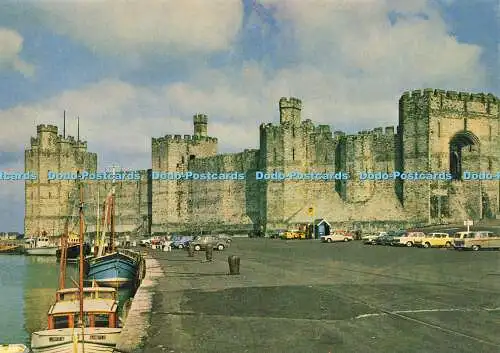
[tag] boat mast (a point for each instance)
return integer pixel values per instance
(112, 238)
(82, 319)
(97, 223)
(64, 241)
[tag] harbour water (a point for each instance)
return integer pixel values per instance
(27, 290)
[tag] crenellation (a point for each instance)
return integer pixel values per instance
(452, 95)
(389, 130)
(47, 128)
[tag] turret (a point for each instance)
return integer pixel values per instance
(200, 122)
(290, 110)
(47, 136)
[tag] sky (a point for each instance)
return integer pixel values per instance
(140, 69)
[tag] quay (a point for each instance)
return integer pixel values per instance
(301, 296)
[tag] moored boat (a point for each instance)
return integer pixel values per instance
(111, 266)
(41, 246)
(101, 329)
(116, 269)
(11, 249)
(14, 348)
(74, 251)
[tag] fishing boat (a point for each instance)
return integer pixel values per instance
(11, 249)
(41, 246)
(73, 248)
(111, 266)
(14, 348)
(81, 319)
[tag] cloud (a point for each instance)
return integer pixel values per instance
(135, 27)
(11, 45)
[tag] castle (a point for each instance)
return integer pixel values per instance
(438, 131)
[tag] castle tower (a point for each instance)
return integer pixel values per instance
(46, 199)
(200, 122)
(290, 110)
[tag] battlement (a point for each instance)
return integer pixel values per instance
(200, 119)
(465, 102)
(183, 139)
(291, 102)
(46, 128)
(452, 95)
(34, 141)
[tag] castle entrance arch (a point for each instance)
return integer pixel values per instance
(464, 154)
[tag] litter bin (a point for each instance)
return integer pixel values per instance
(209, 251)
(190, 250)
(234, 265)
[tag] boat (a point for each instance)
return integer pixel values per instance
(101, 332)
(73, 248)
(111, 266)
(14, 348)
(41, 246)
(83, 319)
(11, 249)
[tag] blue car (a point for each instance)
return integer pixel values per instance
(181, 241)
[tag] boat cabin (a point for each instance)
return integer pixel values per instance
(99, 306)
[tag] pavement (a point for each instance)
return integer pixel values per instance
(303, 296)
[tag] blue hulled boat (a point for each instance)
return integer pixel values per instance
(116, 269)
(111, 266)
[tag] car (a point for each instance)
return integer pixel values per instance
(371, 239)
(395, 236)
(410, 239)
(437, 240)
(337, 236)
(384, 240)
(181, 242)
(477, 240)
(203, 241)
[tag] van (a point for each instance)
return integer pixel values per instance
(477, 240)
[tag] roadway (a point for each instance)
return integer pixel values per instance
(302, 296)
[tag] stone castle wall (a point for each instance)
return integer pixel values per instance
(431, 124)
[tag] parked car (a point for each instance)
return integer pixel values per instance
(477, 241)
(371, 239)
(384, 240)
(410, 239)
(181, 242)
(203, 241)
(437, 240)
(395, 237)
(337, 236)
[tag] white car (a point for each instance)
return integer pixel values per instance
(373, 236)
(337, 236)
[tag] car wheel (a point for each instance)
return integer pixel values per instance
(447, 245)
(409, 244)
(180, 246)
(346, 239)
(427, 245)
(328, 240)
(197, 248)
(476, 247)
(220, 247)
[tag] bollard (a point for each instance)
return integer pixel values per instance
(209, 251)
(234, 265)
(190, 250)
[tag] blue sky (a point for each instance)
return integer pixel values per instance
(134, 72)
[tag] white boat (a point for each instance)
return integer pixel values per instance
(101, 332)
(41, 246)
(14, 348)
